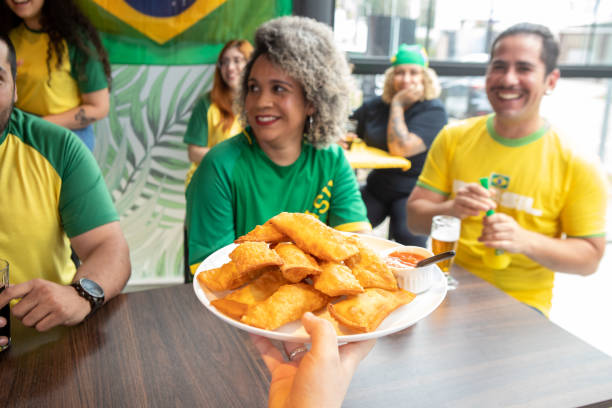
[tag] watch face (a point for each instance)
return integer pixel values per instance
(92, 288)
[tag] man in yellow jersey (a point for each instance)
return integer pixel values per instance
(53, 197)
(549, 202)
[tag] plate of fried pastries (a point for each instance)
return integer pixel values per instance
(267, 279)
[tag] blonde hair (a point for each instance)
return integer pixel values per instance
(431, 84)
(305, 50)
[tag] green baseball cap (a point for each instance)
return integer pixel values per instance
(410, 54)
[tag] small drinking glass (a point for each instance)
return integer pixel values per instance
(445, 230)
(5, 311)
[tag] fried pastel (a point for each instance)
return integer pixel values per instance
(251, 256)
(231, 308)
(236, 303)
(364, 312)
(224, 278)
(285, 305)
(263, 233)
(336, 280)
(314, 237)
(341, 330)
(369, 268)
(297, 263)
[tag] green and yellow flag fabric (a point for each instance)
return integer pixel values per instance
(176, 32)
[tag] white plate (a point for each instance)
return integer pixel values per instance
(401, 318)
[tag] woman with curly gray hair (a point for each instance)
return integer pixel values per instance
(404, 121)
(293, 101)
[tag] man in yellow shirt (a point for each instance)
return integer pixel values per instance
(550, 202)
(53, 198)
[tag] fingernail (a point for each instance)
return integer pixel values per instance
(3, 341)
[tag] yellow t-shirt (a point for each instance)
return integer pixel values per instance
(542, 183)
(52, 190)
(41, 94)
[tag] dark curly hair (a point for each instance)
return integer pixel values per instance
(305, 50)
(62, 20)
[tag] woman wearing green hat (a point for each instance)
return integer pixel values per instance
(404, 121)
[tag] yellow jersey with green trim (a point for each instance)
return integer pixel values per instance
(52, 189)
(237, 187)
(539, 180)
(43, 93)
(206, 129)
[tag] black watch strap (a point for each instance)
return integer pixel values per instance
(91, 291)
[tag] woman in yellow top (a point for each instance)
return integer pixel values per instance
(64, 73)
(212, 119)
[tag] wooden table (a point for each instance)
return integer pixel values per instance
(161, 348)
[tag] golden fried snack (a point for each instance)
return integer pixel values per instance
(314, 237)
(341, 330)
(264, 233)
(364, 312)
(236, 303)
(297, 264)
(252, 256)
(231, 308)
(336, 280)
(369, 268)
(224, 278)
(287, 304)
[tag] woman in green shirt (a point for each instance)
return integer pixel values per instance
(294, 97)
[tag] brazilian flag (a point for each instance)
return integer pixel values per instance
(176, 32)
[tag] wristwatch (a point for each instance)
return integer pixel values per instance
(91, 291)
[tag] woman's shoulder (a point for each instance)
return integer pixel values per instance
(430, 104)
(232, 146)
(326, 156)
(374, 102)
(203, 101)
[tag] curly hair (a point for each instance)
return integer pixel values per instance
(431, 85)
(62, 20)
(221, 94)
(305, 50)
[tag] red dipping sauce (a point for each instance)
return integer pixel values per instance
(402, 259)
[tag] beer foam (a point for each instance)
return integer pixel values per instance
(446, 234)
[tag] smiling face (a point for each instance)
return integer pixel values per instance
(29, 11)
(8, 94)
(516, 78)
(275, 105)
(408, 76)
(231, 64)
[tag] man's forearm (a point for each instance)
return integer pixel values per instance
(108, 265)
(578, 256)
(420, 212)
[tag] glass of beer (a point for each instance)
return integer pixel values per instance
(445, 231)
(5, 311)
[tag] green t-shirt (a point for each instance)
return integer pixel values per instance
(197, 128)
(237, 187)
(52, 189)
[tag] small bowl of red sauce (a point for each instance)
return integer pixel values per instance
(402, 261)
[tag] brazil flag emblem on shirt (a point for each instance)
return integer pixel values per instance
(176, 32)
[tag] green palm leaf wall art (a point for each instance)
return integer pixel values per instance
(140, 150)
